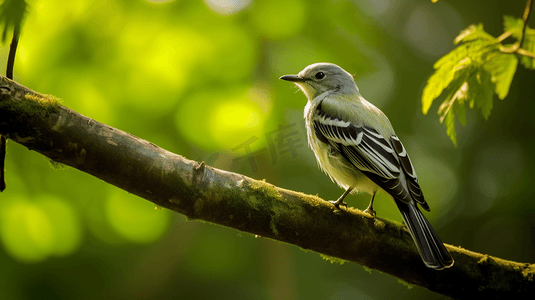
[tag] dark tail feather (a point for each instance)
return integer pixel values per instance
(431, 249)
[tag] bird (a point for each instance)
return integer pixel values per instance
(355, 144)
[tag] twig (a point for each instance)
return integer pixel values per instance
(9, 74)
(527, 13)
(517, 47)
(525, 52)
(12, 52)
(503, 36)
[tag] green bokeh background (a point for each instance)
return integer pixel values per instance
(200, 78)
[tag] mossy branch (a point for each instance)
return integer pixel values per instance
(198, 191)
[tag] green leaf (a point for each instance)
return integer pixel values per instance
(513, 25)
(450, 127)
(457, 94)
(460, 110)
(472, 33)
(11, 16)
(473, 85)
(472, 73)
(447, 68)
(529, 45)
(502, 68)
(435, 85)
(481, 88)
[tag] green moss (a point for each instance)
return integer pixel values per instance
(273, 226)
(265, 188)
(379, 225)
(174, 200)
(253, 202)
(485, 260)
(40, 105)
(266, 197)
(529, 272)
(408, 285)
(56, 165)
(333, 259)
(33, 105)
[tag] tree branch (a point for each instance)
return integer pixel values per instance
(525, 17)
(198, 191)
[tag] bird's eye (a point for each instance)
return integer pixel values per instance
(320, 75)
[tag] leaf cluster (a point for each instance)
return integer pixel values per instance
(474, 71)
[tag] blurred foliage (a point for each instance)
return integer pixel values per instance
(11, 16)
(200, 78)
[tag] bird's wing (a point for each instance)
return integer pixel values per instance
(371, 153)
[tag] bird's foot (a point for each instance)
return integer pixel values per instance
(370, 211)
(337, 203)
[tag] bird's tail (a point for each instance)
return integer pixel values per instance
(431, 249)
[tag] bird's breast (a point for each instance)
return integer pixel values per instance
(331, 161)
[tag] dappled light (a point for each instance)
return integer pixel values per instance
(133, 218)
(34, 230)
(221, 119)
(277, 19)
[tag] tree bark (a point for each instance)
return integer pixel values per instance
(199, 191)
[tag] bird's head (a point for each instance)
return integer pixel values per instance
(321, 77)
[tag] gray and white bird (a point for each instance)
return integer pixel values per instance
(357, 147)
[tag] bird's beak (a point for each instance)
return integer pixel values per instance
(293, 78)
